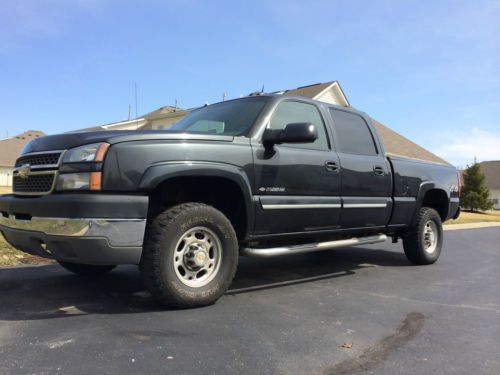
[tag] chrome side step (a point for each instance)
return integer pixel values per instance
(298, 249)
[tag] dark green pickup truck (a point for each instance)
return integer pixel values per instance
(261, 176)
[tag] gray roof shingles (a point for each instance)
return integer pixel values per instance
(11, 147)
(491, 171)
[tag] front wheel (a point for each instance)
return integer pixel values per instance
(190, 255)
(422, 242)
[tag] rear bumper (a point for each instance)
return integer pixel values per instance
(454, 209)
(35, 226)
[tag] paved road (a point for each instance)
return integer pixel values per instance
(283, 316)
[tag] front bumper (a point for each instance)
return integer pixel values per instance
(36, 226)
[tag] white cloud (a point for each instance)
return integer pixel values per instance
(461, 147)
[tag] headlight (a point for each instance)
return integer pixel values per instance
(92, 153)
(79, 181)
(88, 153)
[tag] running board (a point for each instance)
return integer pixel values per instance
(307, 248)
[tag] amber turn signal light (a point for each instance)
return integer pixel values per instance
(101, 151)
(95, 180)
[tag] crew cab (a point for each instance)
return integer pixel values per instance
(264, 175)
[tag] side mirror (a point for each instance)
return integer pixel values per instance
(297, 132)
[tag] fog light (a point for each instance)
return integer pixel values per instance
(74, 181)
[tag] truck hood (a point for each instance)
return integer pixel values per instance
(70, 140)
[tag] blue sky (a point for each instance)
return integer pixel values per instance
(429, 70)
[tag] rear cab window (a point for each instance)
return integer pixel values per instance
(354, 135)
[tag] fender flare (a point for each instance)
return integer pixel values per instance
(161, 172)
(423, 189)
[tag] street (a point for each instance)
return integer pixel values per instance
(352, 310)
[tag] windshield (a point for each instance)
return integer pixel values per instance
(227, 118)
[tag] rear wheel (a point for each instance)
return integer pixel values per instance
(85, 269)
(190, 255)
(422, 242)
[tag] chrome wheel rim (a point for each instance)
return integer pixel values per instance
(430, 237)
(197, 257)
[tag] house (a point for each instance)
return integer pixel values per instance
(491, 171)
(330, 92)
(10, 149)
(160, 118)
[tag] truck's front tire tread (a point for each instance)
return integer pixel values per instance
(162, 234)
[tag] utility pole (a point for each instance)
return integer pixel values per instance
(135, 86)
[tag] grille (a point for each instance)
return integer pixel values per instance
(35, 183)
(51, 158)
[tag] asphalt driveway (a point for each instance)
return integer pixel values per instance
(342, 311)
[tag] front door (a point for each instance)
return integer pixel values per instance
(297, 186)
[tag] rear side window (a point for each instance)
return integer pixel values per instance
(353, 133)
(289, 112)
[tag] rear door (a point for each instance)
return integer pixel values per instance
(297, 186)
(365, 173)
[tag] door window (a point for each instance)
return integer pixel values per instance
(289, 112)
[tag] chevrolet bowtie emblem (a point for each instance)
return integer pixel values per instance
(24, 171)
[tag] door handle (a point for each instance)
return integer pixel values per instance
(331, 166)
(379, 171)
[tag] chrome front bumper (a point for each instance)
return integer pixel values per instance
(118, 232)
(86, 241)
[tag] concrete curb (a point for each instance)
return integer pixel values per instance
(471, 225)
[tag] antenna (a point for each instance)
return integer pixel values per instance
(135, 86)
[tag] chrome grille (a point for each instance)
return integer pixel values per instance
(40, 183)
(40, 159)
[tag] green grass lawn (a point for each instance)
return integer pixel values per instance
(12, 257)
(476, 217)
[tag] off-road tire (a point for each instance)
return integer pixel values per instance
(85, 269)
(163, 234)
(414, 242)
